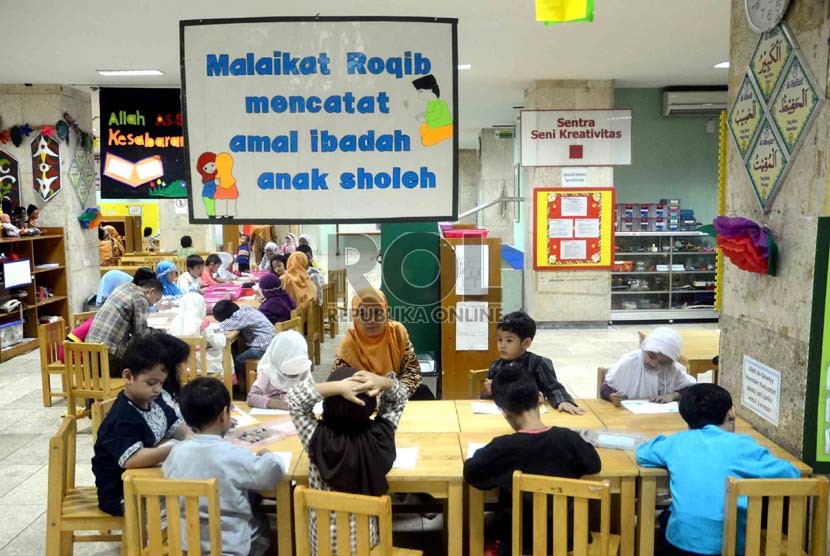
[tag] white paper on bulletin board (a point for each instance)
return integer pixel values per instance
(472, 269)
(472, 326)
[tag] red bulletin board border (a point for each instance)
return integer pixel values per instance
(607, 237)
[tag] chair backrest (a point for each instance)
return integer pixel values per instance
(338, 277)
(329, 297)
(290, 324)
(300, 313)
(311, 320)
(563, 491)
(475, 378)
(99, 411)
(181, 264)
(343, 506)
(79, 318)
(143, 516)
(61, 463)
(87, 369)
(601, 372)
(50, 337)
(772, 493)
(196, 365)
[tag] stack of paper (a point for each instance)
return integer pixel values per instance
(407, 458)
(242, 419)
(261, 411)
(645, 407)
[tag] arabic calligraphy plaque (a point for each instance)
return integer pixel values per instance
(746, 115)
(769, 60)
(794, 105)
(766, 164)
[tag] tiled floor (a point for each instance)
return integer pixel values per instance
(26, 426)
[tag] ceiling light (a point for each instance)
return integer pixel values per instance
(131, 73)
(464, 66)
(722, 65)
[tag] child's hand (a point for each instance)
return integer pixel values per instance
(665, 398)
(370, 383)
(616, 398)
(205, 324)
(346, 388)
(486, 387)
(568, 407)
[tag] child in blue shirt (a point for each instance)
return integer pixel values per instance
(699, 461)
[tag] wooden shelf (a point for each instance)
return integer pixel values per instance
(51, 300)
(27, 345)
(50, 269)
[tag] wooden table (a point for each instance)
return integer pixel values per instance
(473, 422)
(699, 347)
(429, 416)
(439, 472)
(621, 419)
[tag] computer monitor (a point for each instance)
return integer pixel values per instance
(17, 273)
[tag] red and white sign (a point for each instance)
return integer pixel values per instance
(576, 137)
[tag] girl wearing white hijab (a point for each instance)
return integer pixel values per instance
(651, 372)
(284, 365)
(268, 253)
(225, 270)
(188, 322)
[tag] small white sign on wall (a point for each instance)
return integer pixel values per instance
(181, 206)
(761, 390)
(575, 138)
(574, 177)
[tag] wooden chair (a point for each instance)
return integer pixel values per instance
(197, 359)
(563, 491)
(79, 318)
(99, 411)
(181, 264)
(50, 338)
(250, 371)
(312, 333)
(87, 374)
(299, 313)
(475, 378)
(331, 320)
(343, 506)
(290, 324)
(769, 538)
(145, 533)
(70, 508)
(338, 278)
(601, 372)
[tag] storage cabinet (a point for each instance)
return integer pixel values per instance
(663, 276)
(45, 296)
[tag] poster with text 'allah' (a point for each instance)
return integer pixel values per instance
(320, 119)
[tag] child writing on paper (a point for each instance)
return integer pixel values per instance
(649, 373)
(535, 448)
(699, 461)
(348, 451)
(191, 281)
(139, 420)
(206, 407)
(284, 365)
(515, 334)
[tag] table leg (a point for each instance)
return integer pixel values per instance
(284, 522)
(227, 363)
(627, 488)
(648, 501)
(455, 519)
(475, 515)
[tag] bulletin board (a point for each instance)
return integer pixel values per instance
(573, 228)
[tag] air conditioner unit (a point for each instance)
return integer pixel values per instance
(692, 103)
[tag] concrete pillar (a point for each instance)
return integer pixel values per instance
(469, 172)
(768, 318)
(565, 296)
(496, 180)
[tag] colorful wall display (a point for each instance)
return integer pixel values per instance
(142, 144)
(321, 119)
(573, 228)
(775, 106)
(576, 137)
(46, 165)
(9, 178)
(81, 174)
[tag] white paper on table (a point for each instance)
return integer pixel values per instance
(576, 249)
(286, 459)
(586, 227)
(242, 419)
(645, 407)
(617, 441)
(406, 458)
(268, 411)
(472, 269)
(318, 408)
(473, 447)
(158, 322)
(472, 326)
(561, 228)
(574, 206)
(485, 408)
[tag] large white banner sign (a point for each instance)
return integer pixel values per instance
(576, 137)
(320, 119)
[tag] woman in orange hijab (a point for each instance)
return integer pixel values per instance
(377, 344)
(295, 280)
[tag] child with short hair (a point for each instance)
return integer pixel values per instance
(212, 265)
(187, 248)
(348, 451)
(191, 281)
(534, 448)
(699, 460)
(206, 406)
(515, 335)
(243, 254)
(138, 420)
(256, 330)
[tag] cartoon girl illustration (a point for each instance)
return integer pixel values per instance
(226, 190)
(206, 166)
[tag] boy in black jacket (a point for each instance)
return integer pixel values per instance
(535, 448)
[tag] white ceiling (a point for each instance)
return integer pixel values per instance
(640, 43)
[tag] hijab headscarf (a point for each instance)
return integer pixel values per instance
(115, 238)
(278, 304)
(290, 244)
(379, 354)
(109, 282)
(296, 281)
(306, 238)
(286, 361)
(631, 377)
(352, 451)
(192, 311)
(163, 270)
(225, 268)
